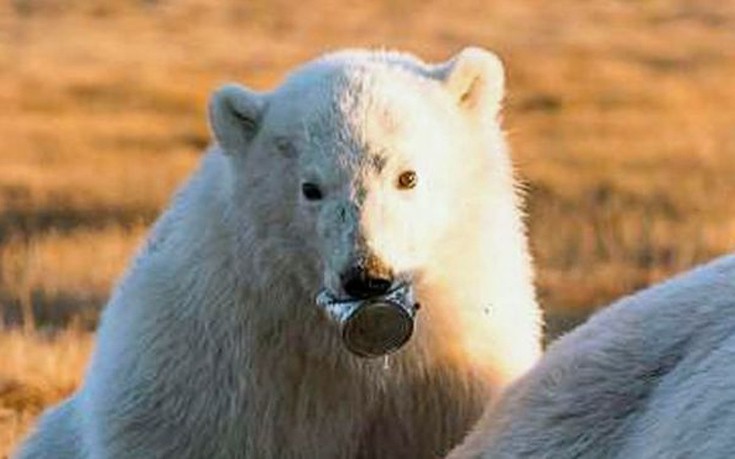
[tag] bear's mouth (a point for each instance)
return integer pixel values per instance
(374, 326)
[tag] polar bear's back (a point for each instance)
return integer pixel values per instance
(654, 373)
(692, 410)
(651, 376)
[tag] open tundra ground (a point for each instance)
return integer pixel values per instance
(620, 114)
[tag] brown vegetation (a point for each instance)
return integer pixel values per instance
(621, 117)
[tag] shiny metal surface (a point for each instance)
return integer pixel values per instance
(376, 326)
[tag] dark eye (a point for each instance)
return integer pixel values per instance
(407, 180)
(311, 191)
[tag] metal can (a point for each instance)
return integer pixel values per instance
(376, 326)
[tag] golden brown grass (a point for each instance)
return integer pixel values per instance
(36, 371)
(621, 118)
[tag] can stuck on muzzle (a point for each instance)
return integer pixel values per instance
(375, 326)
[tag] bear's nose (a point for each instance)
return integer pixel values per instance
(360, 283)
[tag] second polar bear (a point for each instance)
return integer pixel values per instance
(652, 376)
(364, 172)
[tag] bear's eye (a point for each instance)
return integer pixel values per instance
(311, 191)
(407, 180)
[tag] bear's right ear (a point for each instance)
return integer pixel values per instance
(234, 115)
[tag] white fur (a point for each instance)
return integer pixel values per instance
(212, 345)
(652, 376)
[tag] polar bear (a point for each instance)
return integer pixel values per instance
(652, 376)
(363, 171)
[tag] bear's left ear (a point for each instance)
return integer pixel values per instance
(235, 114)
(476, 78)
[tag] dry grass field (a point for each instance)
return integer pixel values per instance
(621, 115)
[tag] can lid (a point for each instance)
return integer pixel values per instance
(377, 328)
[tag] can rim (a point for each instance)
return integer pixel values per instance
(388, 346)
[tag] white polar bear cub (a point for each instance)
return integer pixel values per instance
(362, 171)
(652, 376)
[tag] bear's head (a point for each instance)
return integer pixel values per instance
(360, 163)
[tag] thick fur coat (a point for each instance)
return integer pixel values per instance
(652, 376)
(212, 344)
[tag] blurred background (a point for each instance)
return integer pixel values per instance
(620, 114)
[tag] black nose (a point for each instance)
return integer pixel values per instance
(359, 283)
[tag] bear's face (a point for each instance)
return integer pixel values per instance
(367, 156)
(371, 176)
